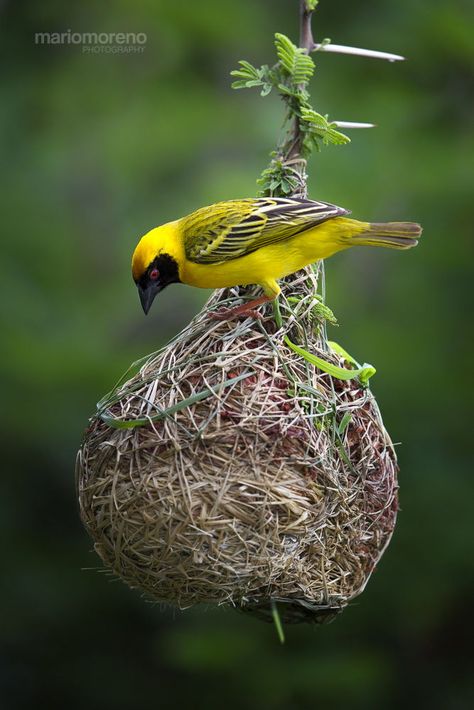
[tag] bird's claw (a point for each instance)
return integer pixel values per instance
(231, 313)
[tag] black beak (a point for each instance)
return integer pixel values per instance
(147, 294)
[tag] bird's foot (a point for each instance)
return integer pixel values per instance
(233, 313)
(246, 310)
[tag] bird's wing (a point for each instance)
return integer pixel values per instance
(228, 230)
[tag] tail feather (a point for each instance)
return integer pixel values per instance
(395, 235)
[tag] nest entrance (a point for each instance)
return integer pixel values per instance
(230, 470)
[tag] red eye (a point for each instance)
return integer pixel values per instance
(154, 273)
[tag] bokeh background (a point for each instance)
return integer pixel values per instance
(99, 148)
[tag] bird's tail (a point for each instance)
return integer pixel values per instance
(394, 235)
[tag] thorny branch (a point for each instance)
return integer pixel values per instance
(306, 42)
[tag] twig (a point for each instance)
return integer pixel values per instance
(306, 42)
(306, 34)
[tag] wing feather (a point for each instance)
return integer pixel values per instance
(229, 230)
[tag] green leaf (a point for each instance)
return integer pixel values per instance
(313, 117)
(283, 89)
(322, 311)
(242, 74)
(336, 137)
(319, 126)
(254, 82)
(294, 60)
(246, 70)
(243, 84)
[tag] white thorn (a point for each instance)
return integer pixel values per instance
(341, 49)
(353, 124)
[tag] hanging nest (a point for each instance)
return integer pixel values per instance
(232, 470)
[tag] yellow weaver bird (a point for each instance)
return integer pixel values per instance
(253, 241)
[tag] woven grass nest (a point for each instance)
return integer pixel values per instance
(230, 470)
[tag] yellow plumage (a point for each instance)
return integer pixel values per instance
(253, 241)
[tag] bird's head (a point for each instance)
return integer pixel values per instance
(153, 268)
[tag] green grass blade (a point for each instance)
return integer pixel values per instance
(364, 373)
(277, 622)
(344, 423)
(197, 397)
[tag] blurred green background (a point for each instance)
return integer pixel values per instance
(97, 149)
